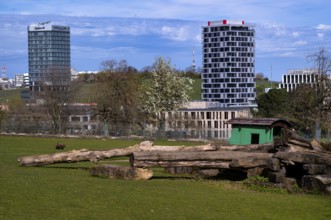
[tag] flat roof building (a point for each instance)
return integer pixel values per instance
(49, 54)
(228, 63)
(293, 78)
(201, 119)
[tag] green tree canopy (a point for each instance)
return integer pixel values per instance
(273, 104)
(116, 95)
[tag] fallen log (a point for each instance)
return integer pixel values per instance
(200, 164)
(249, 162)
(249, 148)
(295, 148)
(299, 143)
(215, 159)
(316, 146)
(95, 156)
(305, 157)
(121, 172)
(295, 137)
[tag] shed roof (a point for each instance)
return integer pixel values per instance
(259, 121)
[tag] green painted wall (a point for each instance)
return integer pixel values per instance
(242, 134)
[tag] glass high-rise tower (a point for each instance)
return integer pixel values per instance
(228, 63)
(49, 55)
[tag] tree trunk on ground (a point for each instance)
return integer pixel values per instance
(95, 156)
(294, 138)
(121, 172)
(249, 148)
(305, 157)
(215, 159)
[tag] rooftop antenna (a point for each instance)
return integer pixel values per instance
(193, 60)
(3, 72)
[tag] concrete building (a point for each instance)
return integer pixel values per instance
(293, 78)
(49, 54)
(19, 80)
(83, 119)
(6, 83)
(26, 79)
(228, 63)
(201, 119)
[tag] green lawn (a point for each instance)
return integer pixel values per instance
(67, 191)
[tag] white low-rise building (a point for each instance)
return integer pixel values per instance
(293, 78)
(202, 119)
(6, 83)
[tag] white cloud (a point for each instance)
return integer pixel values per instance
(287, 54)
(91, 32)
(320, 35)
(323, 27)
(300, 43)
(176, 33)
(9, 53)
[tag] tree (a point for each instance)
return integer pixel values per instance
(273, 104)
(55, 97)
(321, 89)
(302, 103)
(116, 96)
(166, 91)
(308, 105)
(2, 114)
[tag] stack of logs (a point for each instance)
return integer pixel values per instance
(296, 159)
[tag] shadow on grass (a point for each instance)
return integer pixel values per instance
(66, 167)
(172, 177)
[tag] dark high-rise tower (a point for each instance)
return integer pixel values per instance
(228, 63)
(49, 55)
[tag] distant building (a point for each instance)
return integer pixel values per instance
(293, 78)
(228, 63)
(6, 83)
(201, 119)
(19, 80)
(75, 74)
(49, 54)
(82, 120)
(26, 79)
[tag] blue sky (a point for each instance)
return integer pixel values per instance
(139, 31)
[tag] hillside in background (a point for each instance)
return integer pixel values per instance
(83, 91)
(11, 97)
(261, 85)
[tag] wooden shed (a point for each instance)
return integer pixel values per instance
(247, 131)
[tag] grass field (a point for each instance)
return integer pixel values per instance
(67, 191)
